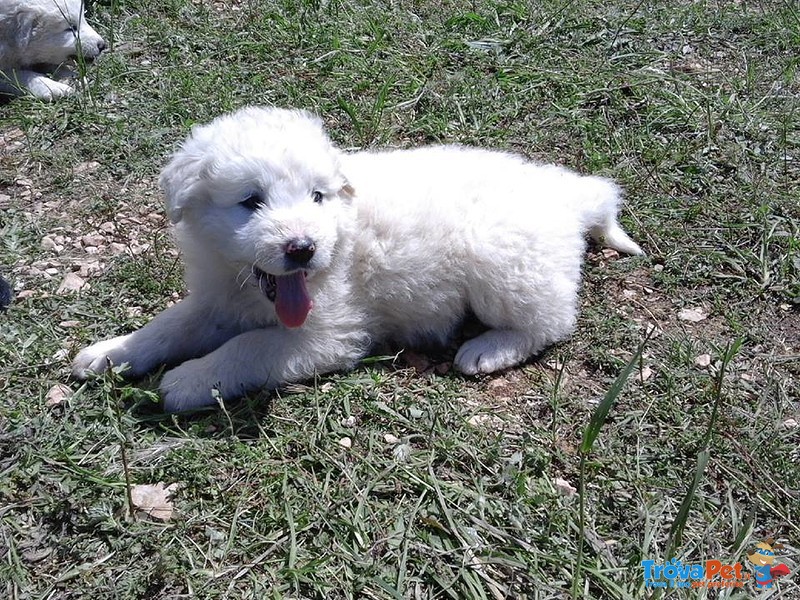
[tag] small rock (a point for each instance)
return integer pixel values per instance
(703, 360)
(72, 283)
(348, 422)
(89, 268)
(693, 315)
(59, 355)
(415, 413)
(496, 383)
(610, 253)
(645, 374)
(86, 167)
(789, 423)
(564, 487)
(93, 239)
(346, 442)
(391, 439)
(154, 500)
(401, 452)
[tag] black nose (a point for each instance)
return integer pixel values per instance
(300, 251)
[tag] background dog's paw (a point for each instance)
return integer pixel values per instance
(98, 357)
(48, 89)
(188, 386)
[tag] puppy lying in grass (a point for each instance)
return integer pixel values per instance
(36, 38)
(300, 257)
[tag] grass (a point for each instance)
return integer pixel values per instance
(386, 482)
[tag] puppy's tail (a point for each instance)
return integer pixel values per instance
(601, 206)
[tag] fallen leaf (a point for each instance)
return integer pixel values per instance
(57, 394)
(154, 500)
(416, 361)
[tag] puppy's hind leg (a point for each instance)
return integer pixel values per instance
(496, 349)
(526, 313)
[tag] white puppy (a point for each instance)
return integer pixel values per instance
(36, 36)
(299, 257)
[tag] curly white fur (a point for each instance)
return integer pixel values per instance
(42, 34)
(405, 243)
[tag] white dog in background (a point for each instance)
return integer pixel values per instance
(36, 37)
(300, 257)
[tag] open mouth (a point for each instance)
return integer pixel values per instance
(288, 292)
(266, 283)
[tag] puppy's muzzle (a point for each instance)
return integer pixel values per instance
(90, 53)
(300, 251)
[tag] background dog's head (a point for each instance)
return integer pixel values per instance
(260, 188)
(50, 32)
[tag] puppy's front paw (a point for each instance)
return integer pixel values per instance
(98, 357)
(188, 386)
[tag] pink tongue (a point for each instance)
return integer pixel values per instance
(292, 303)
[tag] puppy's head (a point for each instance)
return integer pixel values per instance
(53, 31)
(261, 191)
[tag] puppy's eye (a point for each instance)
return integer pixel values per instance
(317, 196)
(252, 202)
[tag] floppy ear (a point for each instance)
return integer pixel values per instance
(24, 22)
(179, 180)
